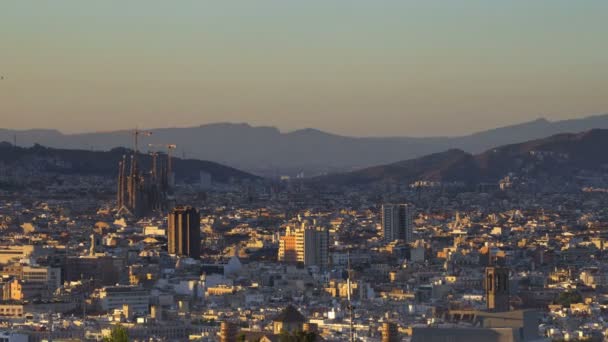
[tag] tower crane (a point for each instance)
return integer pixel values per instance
(169, 148)
(136, 133)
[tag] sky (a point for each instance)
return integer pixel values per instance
(354, 67)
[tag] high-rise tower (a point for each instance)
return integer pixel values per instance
(312, 246)
(184, 233)
(397, 222)
(308, 244)
(497, 288)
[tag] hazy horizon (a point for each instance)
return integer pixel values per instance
(382, 68)
(297, 129)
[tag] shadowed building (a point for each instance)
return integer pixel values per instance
(228, 332)
(397, 222)
(184, 233)
(497, 288)
(482, 326)
(138, 193)
(390, 332)
(103, 269)
(289, 320)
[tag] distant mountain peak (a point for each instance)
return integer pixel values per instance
(309, 132)
(267, 150)
(541, 120)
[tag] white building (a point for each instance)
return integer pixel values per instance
(114, 297)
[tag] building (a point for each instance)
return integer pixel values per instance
(25, 290)
(312, 244)
(316, 246)
(184, 232)
(289, 320)
(497, 288)
(50, 276)
(102, 269)
(228, 332)
(10, 253)
(473, 326)
(115, 297)
(308, 245)
(390, 332)
(287, 249)
(397, 222)
(138, 193)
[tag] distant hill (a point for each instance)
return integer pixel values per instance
(558, 155)
(65, 161)
(266, 150)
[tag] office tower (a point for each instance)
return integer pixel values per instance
(312, 244)
(497, 288)
(397, 222)
(308, 245)
(184, 233)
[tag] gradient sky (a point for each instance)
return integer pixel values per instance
(374, 67)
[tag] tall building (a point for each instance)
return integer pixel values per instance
(140, 194)
(312, 245)
(309, 245)
(497, 288)
(287, 248)
(397, 222)
(184, 233)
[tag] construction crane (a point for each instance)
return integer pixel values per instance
(136, 133)
(169, 148)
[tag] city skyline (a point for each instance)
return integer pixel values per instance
(322, 170)
(390, 69)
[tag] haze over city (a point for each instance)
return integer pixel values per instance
(381, 68)
(303, 171)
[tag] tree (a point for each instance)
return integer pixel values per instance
(118, 334)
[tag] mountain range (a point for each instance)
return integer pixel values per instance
(562, 156)
(105, 163)
(267, 151)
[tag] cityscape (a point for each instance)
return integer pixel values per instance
(282, 171)
(168, 258)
